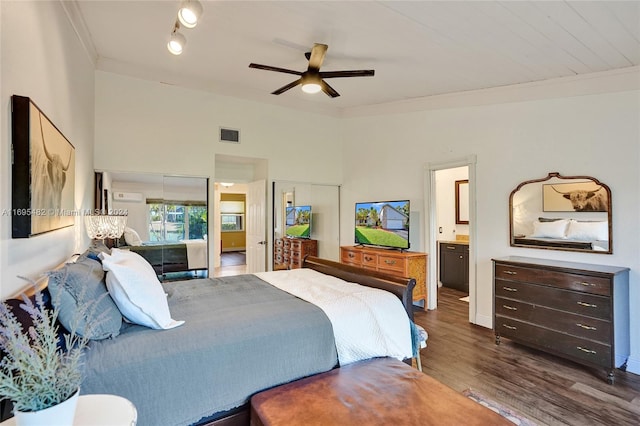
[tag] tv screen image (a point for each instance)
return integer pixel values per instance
(383, 223)
(298, 222)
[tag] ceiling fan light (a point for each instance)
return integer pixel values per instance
(189, 13)
(176, 43)
(311, 88)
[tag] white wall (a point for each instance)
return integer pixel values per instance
(446, 203)
(42, 58)
(595, 135)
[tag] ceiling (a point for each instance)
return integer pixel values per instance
(417, 48)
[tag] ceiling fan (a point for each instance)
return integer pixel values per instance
(312, 79)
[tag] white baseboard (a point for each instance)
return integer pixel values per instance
(633, 365)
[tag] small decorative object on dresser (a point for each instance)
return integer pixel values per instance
(574, 310)
(288, 253)
(410, 264)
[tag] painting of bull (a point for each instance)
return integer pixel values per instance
(43, 172)
(576, 197)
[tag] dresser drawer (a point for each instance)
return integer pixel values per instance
(565, 300)
(369, 260)
(391, 263)
(578, 282)
(353, 257)
(280, 242)
(564, 322)
(553, 341)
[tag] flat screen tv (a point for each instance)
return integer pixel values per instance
(298, 222)
(383, 224)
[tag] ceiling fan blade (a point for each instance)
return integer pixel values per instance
(328, 89)
(354, 73)
(276, 69)
(317, 56)
(287, 87)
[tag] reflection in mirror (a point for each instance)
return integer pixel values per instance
(167, 220)
(557, 212)
(462, 202)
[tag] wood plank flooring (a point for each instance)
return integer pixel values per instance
(544, 388)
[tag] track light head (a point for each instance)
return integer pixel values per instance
(176, 42)
(189, 13)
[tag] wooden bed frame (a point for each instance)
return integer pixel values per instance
(400, 287)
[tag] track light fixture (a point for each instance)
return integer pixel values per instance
(176, 41)
(189, 13)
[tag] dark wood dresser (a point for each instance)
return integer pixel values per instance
(577, 311)
(288, 253)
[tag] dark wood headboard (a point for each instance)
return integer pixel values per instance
(401, 287)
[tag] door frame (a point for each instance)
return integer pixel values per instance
(431, 231)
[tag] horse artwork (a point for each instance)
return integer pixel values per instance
(43, 183)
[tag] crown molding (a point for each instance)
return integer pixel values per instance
(72, 9)
(619, 80)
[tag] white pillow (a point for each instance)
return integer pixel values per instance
(555, 229)
(588, 231)
(131, 237)
(134, 287)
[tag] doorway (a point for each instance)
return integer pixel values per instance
(450, 206)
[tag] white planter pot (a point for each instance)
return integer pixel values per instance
(58, 415)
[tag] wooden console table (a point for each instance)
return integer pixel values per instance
(409, 264)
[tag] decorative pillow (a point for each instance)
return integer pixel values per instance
(131, 237)
(555, 229)
(588, 231)
(135, 288)
(79, 293)
(93, 252)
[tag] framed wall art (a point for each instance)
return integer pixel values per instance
(585, 196)
(43, 172)
(462, 202)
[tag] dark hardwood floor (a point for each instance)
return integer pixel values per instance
(544, 388)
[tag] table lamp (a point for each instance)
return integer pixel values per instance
(100, 227)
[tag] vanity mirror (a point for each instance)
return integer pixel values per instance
(557, 212)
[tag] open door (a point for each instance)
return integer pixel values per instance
(256, 227)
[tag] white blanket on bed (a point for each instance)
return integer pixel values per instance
(366, 322)
(196, 253)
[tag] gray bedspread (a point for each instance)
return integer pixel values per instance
(241, 336)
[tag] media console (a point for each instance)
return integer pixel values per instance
(392, 262)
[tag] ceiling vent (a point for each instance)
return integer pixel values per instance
(229, 135)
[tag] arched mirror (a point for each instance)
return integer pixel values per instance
(557, 212)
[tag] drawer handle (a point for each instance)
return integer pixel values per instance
(586, 327)
(585, 283)
(460, 257)
(510, 327)
(351, 255)
(512, 289)
(589, 351)
(451, 247)
(510, 272)
(368, 258)
(511, 308)
(390, 262)
(588, 305)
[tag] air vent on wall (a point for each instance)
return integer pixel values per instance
(229, 135)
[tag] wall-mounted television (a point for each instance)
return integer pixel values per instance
(383, 224)
(298, 222)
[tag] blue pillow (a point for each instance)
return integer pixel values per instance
(79, 292)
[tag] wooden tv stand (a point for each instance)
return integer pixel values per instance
(392, 262)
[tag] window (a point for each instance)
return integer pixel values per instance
(232, 216)
(177, 220)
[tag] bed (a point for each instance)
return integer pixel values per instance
(188, 255)
(239, 338)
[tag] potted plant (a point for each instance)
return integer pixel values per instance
(40, 376)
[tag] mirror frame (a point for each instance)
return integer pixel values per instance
(559, 176)
(459, 199)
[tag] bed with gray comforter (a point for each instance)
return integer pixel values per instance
(241, 335)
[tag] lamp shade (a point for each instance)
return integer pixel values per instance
(105, 226)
